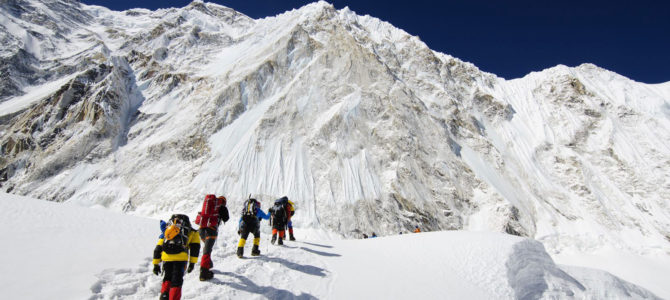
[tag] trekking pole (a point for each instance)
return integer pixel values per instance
(267, 245)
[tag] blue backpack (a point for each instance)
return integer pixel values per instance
(163, 226)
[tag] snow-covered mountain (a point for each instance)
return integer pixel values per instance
(358, 122)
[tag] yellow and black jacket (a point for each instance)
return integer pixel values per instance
(291, 206)
(193, 245)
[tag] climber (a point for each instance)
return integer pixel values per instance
(291, 207)
(279, 218)
(179, 246)
(214, 211)
(250, 223)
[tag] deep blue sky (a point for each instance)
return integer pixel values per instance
(509, 38)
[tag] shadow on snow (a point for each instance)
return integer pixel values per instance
(313, 244)
(320, 252)
(245, 284)
(307, 269)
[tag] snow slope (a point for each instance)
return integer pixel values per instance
(71, 252)
(57, 249)
(358, 122)
(33, 95)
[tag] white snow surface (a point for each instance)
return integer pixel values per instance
(58, 249)
(359, 123)
(33, 94)
(71, 252)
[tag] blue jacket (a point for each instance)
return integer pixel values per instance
(259, 213)
(262, 215)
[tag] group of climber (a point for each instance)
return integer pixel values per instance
(279, 215)
(374, 235)
(178, 245)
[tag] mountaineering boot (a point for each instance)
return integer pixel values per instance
(206, 274)
(165, 291)
(240, 248)
(255, 251)
(280, 241)
(291, 237)
(274, 239)
(206, 262)
(175, 293)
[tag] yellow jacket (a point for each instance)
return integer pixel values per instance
(193, 245)
(291, 206)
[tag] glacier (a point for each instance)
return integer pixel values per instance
(362, 125)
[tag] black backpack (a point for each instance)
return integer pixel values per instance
(176, 234)
(250, 208)
(279, 212)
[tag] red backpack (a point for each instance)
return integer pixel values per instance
(209, 215)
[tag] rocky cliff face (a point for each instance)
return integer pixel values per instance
(361, 124)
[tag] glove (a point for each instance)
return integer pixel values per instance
(190, 267)
(157, 269)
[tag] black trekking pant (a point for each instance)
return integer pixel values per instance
(279, 225)
(251, 227)
(208, 237)
(174, 272)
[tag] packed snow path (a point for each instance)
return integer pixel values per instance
(97, 254)
(444, 265)
(292, 271)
